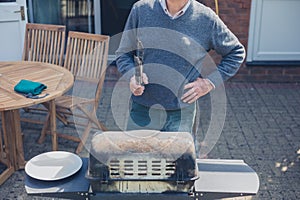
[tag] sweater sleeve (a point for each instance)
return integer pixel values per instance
(127, 47)
(226, 44)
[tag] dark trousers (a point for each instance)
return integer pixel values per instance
(143, 117)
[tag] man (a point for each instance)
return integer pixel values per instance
(176, 36)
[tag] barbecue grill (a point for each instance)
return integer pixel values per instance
(142, 161)
(149, 165)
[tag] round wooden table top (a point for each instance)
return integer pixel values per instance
(57, 79)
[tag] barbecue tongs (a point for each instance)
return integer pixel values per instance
(138, 59)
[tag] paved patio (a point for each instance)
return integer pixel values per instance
(262, 127)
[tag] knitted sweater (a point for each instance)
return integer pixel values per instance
(176, 50)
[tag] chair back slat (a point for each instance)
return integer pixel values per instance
(44, 43)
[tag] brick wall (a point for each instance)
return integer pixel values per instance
(236, 15)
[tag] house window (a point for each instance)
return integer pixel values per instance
(77, 15)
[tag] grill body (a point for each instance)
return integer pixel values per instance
(142, 161)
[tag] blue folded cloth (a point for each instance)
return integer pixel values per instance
(28, 87)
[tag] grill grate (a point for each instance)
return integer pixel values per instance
(132, 169)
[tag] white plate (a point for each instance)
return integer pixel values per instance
(53, 165)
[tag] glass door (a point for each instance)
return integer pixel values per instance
(106, 17)
(78, 15)
(114, 14)
(110, 19)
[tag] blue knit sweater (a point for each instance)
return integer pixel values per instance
(176, 50)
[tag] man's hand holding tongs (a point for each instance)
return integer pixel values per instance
(136, 88)
(140, 78)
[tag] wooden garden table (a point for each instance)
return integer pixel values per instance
(58, 81)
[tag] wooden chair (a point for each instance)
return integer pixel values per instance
(86, 57)
(44, 43)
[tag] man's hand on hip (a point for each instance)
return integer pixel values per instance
(196, 89)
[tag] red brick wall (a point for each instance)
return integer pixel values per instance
(236, 15)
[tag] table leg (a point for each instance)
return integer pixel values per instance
(13, 143)
(5, 156)
(52, 110)
(19, 140)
